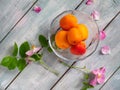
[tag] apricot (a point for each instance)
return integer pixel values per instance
(68, 21)
(74, 36)
(78, 49)
(61, 39)
(84, 30)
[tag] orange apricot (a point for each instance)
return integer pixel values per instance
(74, 36)
(68, 21)
(61, 39)
(84, 30)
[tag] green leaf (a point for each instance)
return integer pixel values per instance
(15, 49)
(23, 49)
(86, 86)
(21, 64)
(49, 49)
(90, 86)
(43, 41)
(9, 62)
(36, 57)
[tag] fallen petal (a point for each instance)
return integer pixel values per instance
(37, 9)
(95, 15)
(89, 2)
(105, 50)
(102, 35)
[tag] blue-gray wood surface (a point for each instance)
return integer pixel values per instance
(18, 23)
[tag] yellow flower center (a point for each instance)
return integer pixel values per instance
(33, 46)
(99, 75)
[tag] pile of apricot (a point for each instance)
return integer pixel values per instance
(72, 35)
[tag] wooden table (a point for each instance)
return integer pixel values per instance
(18, 23)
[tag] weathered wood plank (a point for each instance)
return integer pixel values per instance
(72, 80)
(29, 29)
(11, 11)
(113, 83)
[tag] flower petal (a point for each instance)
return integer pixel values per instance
(95, 72)
(27, 60)
(93, 82)
(89, 2)
(36, 49)
(102, 35)
(37, 9)
(95, 15)
(101, 79)
(105, 50)
(102, 69)
(29, 53)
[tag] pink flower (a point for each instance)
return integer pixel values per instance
(89, 2)
(95, 15)
(99, 76)
(32, 51)
(28, 61)
(37, 9)
(102, 35)
(105, 50)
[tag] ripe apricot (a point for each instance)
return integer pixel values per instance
(74, 36)
(68, 21)
(78, 49)
(61, 39)
(84, 30)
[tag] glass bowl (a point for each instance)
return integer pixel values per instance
(91, 43)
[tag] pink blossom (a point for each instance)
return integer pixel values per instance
(37, 9)
(89, 2)
(95, 15)
(32, 51)
(105, 50)
(28, 60)
(102, 35)
(99, 76)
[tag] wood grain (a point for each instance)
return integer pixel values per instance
(29, 29)
(11, 11)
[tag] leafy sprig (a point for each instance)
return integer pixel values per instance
(13, 61)
(21, 59)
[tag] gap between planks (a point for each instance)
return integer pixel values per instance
(19, 21)
(76, 62)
